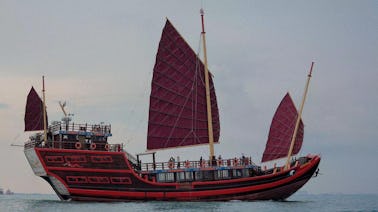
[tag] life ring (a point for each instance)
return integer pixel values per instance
(107, 147)
(93, 146)
(187, 164)
(170, 164)
(78, 145)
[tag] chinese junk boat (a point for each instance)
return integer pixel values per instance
(80, 164)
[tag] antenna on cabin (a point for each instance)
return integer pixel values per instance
(67, 116)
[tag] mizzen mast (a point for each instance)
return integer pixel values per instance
(208, 102)
(44, 110)
(299, 117)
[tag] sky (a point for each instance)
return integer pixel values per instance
(99, 55)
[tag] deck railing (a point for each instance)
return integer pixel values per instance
(75, 145)
(235, 162)
(95, 128)
(131, 158)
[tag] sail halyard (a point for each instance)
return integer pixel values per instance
(208, 102)
(299, 117)
(177, 113)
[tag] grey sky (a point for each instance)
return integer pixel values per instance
(99, 57)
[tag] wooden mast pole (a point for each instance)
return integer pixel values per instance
(298, 118)
(44, 110)
(208, 102)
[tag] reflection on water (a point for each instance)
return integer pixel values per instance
(184, 206)
(325, 202)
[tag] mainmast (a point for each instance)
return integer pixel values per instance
(299, 118)
(208, 102)
(44, 110)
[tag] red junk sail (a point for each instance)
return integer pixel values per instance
(34, 112)
(281, 131)
(177, 114)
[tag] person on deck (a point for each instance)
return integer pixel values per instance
(213, 161)
(220, 162)
(171, 163)
(242, 160)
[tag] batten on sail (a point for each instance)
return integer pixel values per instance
(178, 114)
(34, 112)
(281, 131)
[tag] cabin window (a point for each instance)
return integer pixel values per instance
(170, 177)
(245, 173)
(98, 180)
(76, 179)
(70, 138)
(204, 175)
(101, 159)
(198, 175)
(222, 174)
(181, 176)
(236, 173)
(54, 159)
(166, 177)
(120, 180)
(208, 175)
(160, 177)
(189, 176)
(184, 176)
(99, 139)
(76, 158)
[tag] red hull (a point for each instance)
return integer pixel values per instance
(87, 175)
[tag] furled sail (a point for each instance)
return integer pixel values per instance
(281, 131)
(177, 114)
(34, 112)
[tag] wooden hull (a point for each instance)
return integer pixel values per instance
(86, 175)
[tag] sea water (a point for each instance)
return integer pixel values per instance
(298, 202)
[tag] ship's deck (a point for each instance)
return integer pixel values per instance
(94, 138)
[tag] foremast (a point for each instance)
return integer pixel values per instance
(208, 102)
(299, 118)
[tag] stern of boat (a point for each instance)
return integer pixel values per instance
(39, 170)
